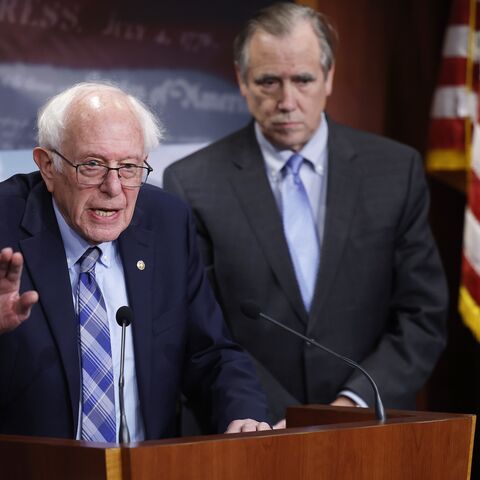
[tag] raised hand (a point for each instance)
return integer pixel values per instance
(14, 308)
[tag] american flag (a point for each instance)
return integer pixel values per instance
(454, 109)
(454, 139)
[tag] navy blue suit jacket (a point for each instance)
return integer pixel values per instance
(180, 340)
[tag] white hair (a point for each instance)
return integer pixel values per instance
(53, 116)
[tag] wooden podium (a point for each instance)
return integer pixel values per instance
(322, 442)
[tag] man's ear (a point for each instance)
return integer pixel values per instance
(43, 159)
(329, 80)
(241, 82)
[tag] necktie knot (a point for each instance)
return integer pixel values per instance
(89, 259)
(294, 163)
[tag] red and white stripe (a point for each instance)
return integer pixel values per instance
(454, 139)
(454, 107)
(469, 301)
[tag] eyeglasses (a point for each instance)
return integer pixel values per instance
(94, 172)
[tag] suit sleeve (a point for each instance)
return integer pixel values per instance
(415, 332)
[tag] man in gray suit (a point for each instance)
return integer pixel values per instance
(368, 282)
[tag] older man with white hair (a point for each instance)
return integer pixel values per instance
(83, 237)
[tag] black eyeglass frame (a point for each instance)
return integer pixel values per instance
(76, 166)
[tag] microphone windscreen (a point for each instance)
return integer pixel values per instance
(124, 316)
(250, 309)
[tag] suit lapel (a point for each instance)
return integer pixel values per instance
(45, 260)
(137, 251)
(250, 184)
(342, 190)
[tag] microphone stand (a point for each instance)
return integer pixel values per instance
(252, 311)
(379, 410)
(124, 434)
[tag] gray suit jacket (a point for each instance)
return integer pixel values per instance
(380, 296)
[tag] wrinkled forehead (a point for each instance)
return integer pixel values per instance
(296, 51)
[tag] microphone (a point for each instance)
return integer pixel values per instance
(124, 318)
(252, 310)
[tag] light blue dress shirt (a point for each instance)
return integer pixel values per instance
(111, 280)
(313, 173)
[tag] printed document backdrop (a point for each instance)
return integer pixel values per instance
(177, 59)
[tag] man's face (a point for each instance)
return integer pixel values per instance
(285, 88)
(105, 130)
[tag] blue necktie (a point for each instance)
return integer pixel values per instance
(300, 229)
(98, 398)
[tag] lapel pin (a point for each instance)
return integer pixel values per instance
(141, 265)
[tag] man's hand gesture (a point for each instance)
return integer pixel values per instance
(14, 308)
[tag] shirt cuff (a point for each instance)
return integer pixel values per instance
(354, 397)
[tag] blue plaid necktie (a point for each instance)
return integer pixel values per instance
(98, 400)
(300, 229)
